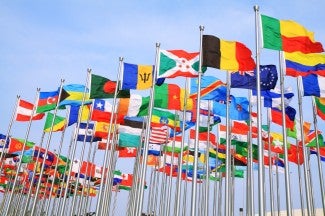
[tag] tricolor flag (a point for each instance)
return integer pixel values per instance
(137, 76)
(25, 111)
(313, 85)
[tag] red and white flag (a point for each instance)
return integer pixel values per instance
(159, 133)
(25, 111)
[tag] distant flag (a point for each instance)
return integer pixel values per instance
(47, 101)
(59, 123)
(86, 132)
(101, 129)
(75, 94)
(272, 98)
(101, 87)
(136, 122)
(276, 116)
(313, 150)
(127, 152)
(313, 85)
(154, 149)
(74, 113)
(102, 111)
(301, 64)
(137, 76)
(135, 105)
(165, 117)
(212, 88)
(25, 111)
(288, 36)
(158, 133)
(129, 139)
(320, 107)
(247, 79)
(238, 108)
(226, 55)
(178, 63)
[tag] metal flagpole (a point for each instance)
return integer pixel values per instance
(74, 145)
(306, 167)
(146, 140)
(261, 177)
(45, 153)
(270, 163)
(207, 165)
(7, 209)
(197, 128)
(320, 167)
(300, 183)
(284, 133)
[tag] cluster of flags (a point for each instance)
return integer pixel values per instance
(160, 127)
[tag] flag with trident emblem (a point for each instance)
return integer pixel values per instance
(137, 76)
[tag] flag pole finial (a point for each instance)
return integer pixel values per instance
(201, 28)
(256, 7)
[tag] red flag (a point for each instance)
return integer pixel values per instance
(25, 111)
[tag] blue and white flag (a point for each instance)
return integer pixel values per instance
(88, 132)
(313, 85)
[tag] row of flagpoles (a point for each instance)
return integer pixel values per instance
(172, 130)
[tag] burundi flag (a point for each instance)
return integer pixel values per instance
(175, 63)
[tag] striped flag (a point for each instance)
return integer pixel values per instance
(25, 111)
(159, 133)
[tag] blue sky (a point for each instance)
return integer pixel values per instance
(43, 42)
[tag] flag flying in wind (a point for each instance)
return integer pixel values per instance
(137, 76)
(320, 107)
(226, 55)
(238, 108)
(47, 101)
(247, 79)
(76, 93)
(25, 111)
(276, 116)
(102, 111)
(288, 36)
(178, 63)
(212, 88)
(74, 113)
(101, 87)
(313, 85)
(301, 64)
(59, 123)
(86, 132)
(135, 105)
(272, 98)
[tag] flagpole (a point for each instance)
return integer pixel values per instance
(305, 164)
(261, 177)
(320, 166)
(207, 168)
(197, 128)
(146, 140)
(270, 162)
(7, 209)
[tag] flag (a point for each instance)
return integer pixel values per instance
(158, 133)
(25, 112)
(39, 155)
(171, 96)
(102, 111)
(58, 122)
(175, 63)
(226, 55)
(296, 132)
(165, 117)
(74, 113)
(313, 85)
(272, 97)
(127, 152)
(212, 88)
(312, 137)
(174, 145)
(247, 79)
(136, 122)
(101, 129)
(276, 116)
(320, 107)
(47, 101)
(75, 94)
(86, 132)
(205, 139)
(16, 145)
(154, 149)
(126, 182)
(238, 108)
(137, 76)
(301, 64)
(136, 105)
(129, 140)
(288, 36)
(101, 87)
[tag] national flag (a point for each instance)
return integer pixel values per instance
(212, 88)
(301, 64)
(277, 144)
(126, 182)
(290, 112)
(136, 122)
(236, 131)
(273, 98)
(288, 36)
(321, 152)
(54, 123)
(101, 87)
(42, 154)
(86, 132)
(154, 149)
(74, 112)
(295, 154)
(171, 96)
(25, 111)
(16, 145)
(90, 169)
(165, 117)
(76, 94)
(158, 133)
(238, 108)
(47, 101)
(102, 111)
(247, 79)
(129, 140)
(137, 76)
(296, 132)
(205, 139)
(312, 138)
(130, 130)
(320, 107)
(175, 63)
(175, 145)
(313, 85)
(135, 105)
(102, 128)
(226, 55)
(127, 152)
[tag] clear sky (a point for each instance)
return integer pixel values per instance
(43, 42)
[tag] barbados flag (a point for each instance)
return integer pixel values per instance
(137, 76)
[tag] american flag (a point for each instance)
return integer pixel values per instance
(159, 133)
